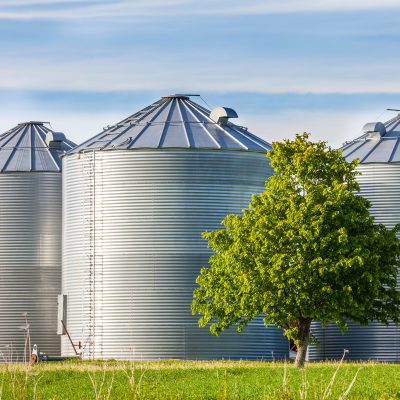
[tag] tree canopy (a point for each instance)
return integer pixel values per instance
(306, 249)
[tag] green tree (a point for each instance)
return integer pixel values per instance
(305, 249)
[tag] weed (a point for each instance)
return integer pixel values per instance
(172, 379)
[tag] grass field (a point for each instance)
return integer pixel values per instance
(198, 380)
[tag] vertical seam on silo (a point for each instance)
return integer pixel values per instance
(31, 148)
(394, 121)
(46, 147)
(371, 151)
(162, 106)
(202, 125)
(249, 136)
(12, 135)
(222, 129)
(189, 141)
(394, 149)
(115, 127)
(197, 105)
(167, 122)
(94, 255)
(104, 133)
(126, 120)
(362, 144)
(15, 148)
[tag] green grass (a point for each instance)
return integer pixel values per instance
(197, 380)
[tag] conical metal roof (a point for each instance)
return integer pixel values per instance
(379, 143)
(176, 121)
(31, 146)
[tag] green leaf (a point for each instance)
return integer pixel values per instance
(305, 249)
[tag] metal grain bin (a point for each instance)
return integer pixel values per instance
(136, 199)
(379, 153)
(30, 237)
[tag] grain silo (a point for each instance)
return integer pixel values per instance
(136, 198)
(379, 154)
(30, 237)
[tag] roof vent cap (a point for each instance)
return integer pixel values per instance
(54, 140)
(221, 115)
(375, 130)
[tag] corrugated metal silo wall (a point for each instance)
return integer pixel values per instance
(380, 184)
(30, 261)
(133, 249)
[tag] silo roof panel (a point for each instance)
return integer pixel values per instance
(393, 128)
(350, 147)
(20, 160)
(395, 157)
(382, 151)
(224, 139)
(4, 157)
(175, 136)
(376, 147)
(31, 146)
(173, 122)
(200, 138)
(362, 150)
(12, 139)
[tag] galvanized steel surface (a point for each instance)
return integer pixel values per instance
(373, 342)
(173, 122)
(376, 147)
(133, 249)
(30, 261)
(31, 146)
(380, 184)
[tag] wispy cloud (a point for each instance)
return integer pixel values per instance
(194, 54)
(258, 75)
(24, 3)
(95, 9)
(187, 45)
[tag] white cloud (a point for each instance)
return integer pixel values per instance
(300, 6)
(248, 75)
(90, 9)
(22, 3)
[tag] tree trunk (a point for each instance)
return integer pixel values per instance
(304, 337)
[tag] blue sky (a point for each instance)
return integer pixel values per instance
(325, 67)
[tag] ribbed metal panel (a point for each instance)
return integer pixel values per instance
(30, 260)
(133, 249)
(373, 342)
(380, 184)
(376, 147)
(174, 122)
(31, 146)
